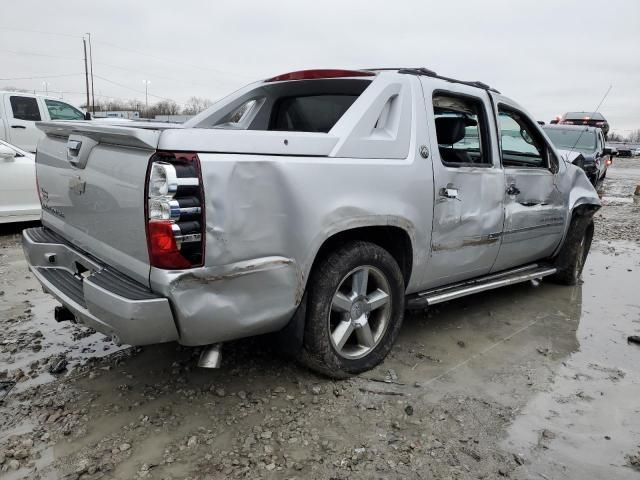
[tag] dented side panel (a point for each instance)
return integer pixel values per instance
(267, 217)
(266, 220)
(467, 226)
(534, 218)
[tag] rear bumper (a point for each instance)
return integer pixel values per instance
(105, 300)
(195, 307)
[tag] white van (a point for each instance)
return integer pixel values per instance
(19, 112)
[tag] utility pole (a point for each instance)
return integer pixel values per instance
(86, 71)
(93, 91)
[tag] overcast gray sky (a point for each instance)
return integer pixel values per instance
(551, 56)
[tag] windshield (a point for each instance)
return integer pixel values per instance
(581, 140)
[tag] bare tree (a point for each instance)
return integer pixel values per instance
(164, 107)
(196, 105)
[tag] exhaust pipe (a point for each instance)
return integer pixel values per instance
(211, 356)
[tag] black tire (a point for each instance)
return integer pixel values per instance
(573, 254)
(319, 352)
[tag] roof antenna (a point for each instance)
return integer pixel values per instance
(595, 111)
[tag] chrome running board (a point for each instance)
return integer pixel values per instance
(477, 285)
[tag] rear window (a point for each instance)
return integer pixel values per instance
(25, 108)
(313, 113)
(294, 106)
(574, 139)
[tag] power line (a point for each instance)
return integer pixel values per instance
(133, 89)
(154, 75)
(40, 55)
(40, 32)
(42, 76)
(126, 49)
(163, 60)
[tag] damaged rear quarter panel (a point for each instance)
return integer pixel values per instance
(266, 219)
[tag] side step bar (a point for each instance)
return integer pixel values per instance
(482, 284)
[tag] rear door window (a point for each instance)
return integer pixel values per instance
(461, 129)
(313, 113)
(25, 108)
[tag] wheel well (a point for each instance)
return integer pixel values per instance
(394, 240)
(585, 210)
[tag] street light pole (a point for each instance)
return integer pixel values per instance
(146, 96)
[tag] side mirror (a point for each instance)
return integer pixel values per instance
(87, 116)
(579, 161)
(525, 136)
(609, 151)
(554, 164)
(7, 154)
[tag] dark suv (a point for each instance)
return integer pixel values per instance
(584, 147)
(591, 119)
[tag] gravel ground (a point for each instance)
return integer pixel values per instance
(524, 382)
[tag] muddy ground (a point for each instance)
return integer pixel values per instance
(527, 382)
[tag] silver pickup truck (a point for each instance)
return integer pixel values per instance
(318, 204)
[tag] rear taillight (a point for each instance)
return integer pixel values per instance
(175, 211)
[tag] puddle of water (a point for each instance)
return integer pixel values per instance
(24, 301)
(591, 405)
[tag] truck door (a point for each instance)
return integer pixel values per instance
(468, 211)
(534, 210)
(21, 113)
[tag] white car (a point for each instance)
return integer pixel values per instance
(636, 152)
(20, 111)
(19, 200)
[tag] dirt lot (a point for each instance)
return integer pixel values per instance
(528, 382)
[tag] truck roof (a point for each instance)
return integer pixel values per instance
(317, 74)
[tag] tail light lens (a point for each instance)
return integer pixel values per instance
(174, 211)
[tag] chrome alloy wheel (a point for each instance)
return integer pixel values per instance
(360, 312)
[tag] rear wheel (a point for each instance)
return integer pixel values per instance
(573, 254)
(355, 310)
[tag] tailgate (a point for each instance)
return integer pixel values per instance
(91, 182)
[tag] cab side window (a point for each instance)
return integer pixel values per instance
(461, 129)
(521, 144)
(62, 111)
(25, 108)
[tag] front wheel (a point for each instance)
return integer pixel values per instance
(573, 254)
(355, 310)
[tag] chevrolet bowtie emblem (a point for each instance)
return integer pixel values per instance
(77, 185)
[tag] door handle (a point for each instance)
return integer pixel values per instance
(513, 190)
(18, 126)
(449, 192)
